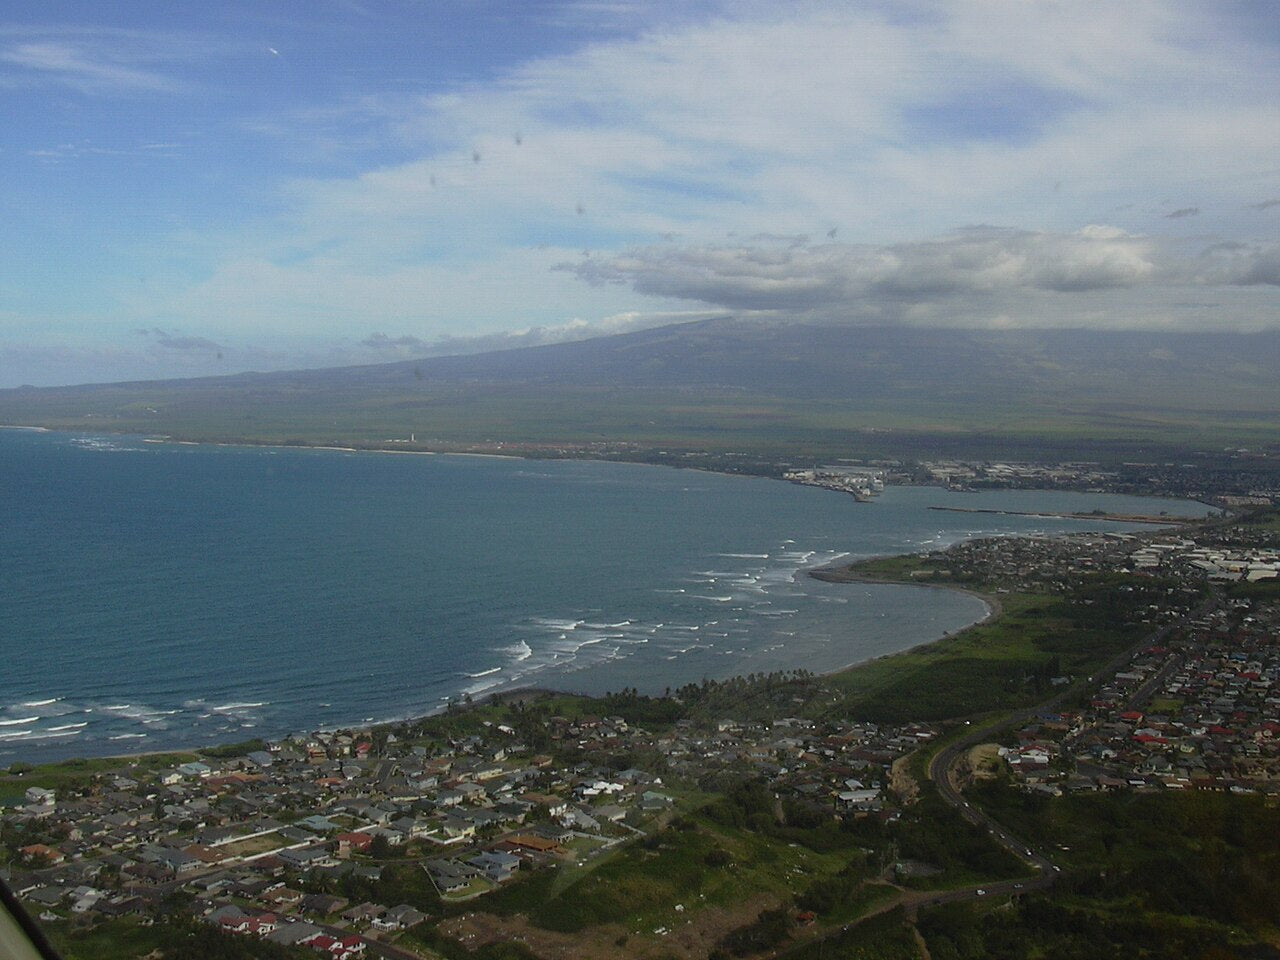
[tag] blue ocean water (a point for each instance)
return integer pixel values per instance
(157, 595)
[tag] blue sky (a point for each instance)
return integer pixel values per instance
(215, 187)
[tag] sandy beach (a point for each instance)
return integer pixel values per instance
(841, 572)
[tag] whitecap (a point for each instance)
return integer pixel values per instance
(483, 673)
(40, 703)
(554, 624)
(481, 687)
(18, 721)
(518, 651)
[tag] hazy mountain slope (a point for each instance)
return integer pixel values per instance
(719, 381)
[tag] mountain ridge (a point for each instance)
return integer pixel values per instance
(721, 378)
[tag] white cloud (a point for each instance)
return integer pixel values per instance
(110, 61)
(76, 67)
(893, 125)
(973, 276)
(797, 123)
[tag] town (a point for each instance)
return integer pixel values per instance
(241, 839)
(382, 841)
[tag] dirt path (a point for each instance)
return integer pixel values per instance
(920, 944)
(686, 939)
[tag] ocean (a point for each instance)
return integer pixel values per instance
(157, 595)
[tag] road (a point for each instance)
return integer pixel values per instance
(942, 768)
(942, 771)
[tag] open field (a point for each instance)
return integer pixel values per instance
(995, 665)
(60, 775)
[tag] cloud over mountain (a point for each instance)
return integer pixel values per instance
(971, 269)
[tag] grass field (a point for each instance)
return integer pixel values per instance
(53, 776)
(124, 939)
(990, 666)
(706, 865)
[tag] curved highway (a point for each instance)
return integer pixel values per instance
(942, 771)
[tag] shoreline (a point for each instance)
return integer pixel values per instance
(1172, 520)
(281, 445)
(839, 570)
(1075, 515)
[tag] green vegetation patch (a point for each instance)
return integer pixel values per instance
(77, 774)
(696, 862)
(1001, 664)
(1006, 662)
(130, 939)
(110, 940)
(1199, 854)
(1048, 927)
(887, 936)
(225, 750)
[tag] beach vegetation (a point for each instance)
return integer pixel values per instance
(1002, 663)
(227, 750)
(78, 774)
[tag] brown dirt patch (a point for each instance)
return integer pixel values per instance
(901, 782)
(980, 763)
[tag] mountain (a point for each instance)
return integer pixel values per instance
(726, 383)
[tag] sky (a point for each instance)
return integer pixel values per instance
(189, 189)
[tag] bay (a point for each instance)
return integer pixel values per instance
(157, 595)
